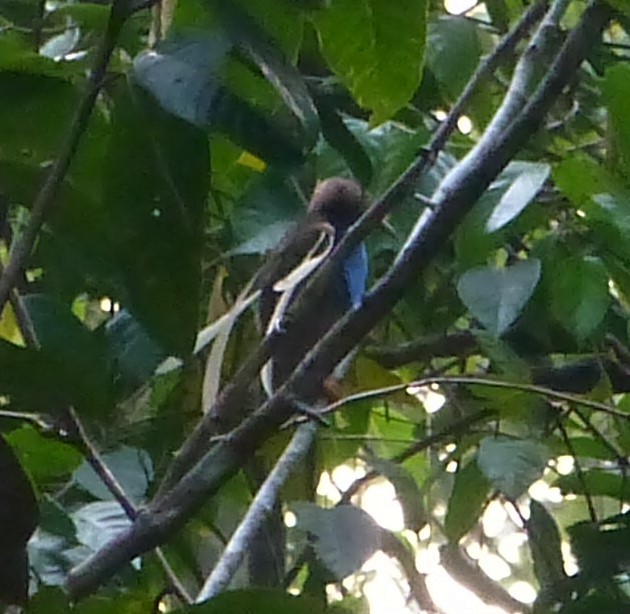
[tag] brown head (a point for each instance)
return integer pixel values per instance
(339, 201)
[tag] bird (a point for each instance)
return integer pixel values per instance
(335, 205)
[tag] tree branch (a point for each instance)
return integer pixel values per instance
(259, 509)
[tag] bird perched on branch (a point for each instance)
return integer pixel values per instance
(335, 205)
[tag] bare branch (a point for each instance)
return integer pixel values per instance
(259, 509)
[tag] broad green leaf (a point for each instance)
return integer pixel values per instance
(257, 45)
(616, 90)
(381, 61)
(469, 496)
(475, 241)
(511, 465)
(519, 194)
(544, 544)
(78, 355)
(453, 51)
(55, 519)
(346, 536)
(50, 547)
(184, 74)
(282, 21)
(155, 216)
(496, 296)
(341, 138)
(135, 354)
(34, 113)
(44, 458)
(580, 295)
(264, 214)
(132, 468)
(59, 46)
(31, 379)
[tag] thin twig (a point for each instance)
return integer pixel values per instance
(79, 436)
(477, 381)
(578, 470)
(259, 509)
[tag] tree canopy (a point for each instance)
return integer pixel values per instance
(153, 154)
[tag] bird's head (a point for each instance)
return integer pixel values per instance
(338, 201)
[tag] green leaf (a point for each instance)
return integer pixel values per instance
(44, 458)
(511, 465)
(544, 544)
(264, 214)
(34, 114)
(346, 536)
(79, 357)
(580, 297)
(156, 215)
(381, 61)
(469, 496)
(283, 21)
(522, 190)
(601, 550)
(616, 91)
(496, 296)
(136, 355)
(341, 138)
(184, 74)
(256, 44)
(132, 468)
(453, 52)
